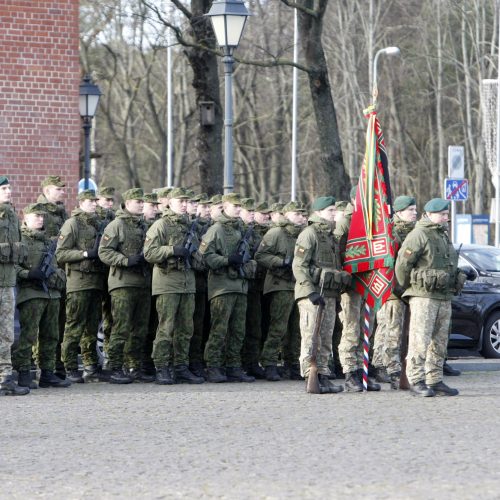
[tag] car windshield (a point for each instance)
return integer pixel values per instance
(484, 258)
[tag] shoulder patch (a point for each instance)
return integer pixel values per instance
(61, 237)
(203, 244)
(408, 252)
(300, 250)
(105, 237)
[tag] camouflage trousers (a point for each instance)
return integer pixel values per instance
(250, 351)
(7, 308)
(196, 344)
(284, 330)
(147, 348)
(308, 312)
(175, 329)
(387, 342)
(428, 339)
(351, 343)
(39, 320)
(106, 318)
(82, 322)
(227, 330)
(130, 312)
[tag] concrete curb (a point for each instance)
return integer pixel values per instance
(476, 365)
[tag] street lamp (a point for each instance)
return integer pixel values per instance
(389, 51)
(228, 20)
(89, 99)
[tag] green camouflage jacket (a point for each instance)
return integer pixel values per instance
(55, 218)
(12, 251)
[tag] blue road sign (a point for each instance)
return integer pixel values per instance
(81, 184)
(456, 189)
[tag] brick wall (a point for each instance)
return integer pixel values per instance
(39, 79)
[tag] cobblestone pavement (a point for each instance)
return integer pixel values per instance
(262, 440)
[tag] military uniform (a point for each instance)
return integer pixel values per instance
(128, 284)
(426, 268)
(86, 275)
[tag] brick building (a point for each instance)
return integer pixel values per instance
(39, 85)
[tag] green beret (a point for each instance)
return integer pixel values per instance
(164, 192)
(179, 193)
(437, 205)
(53, 180)
(133, 194)
(151, 198)
(107, 192)
(403, 202)
(341, 205)
(352, 193)
(263, 208)
(216, 199)
(35, 208)
(322, 202)
(86, 194)
(294, 206)
(248, 203)
(277, 207)
(3, 180)
(233, 198)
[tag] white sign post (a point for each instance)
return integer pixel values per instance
(456, 171)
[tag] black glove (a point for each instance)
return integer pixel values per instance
(133, 260)
(287, 263)
(36, 274)
(235, 259)
(92, 253)
(316, 299)
(181, 251)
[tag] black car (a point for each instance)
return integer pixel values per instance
(476, 311)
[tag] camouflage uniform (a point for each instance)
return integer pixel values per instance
(128, 285)
(85, 283)
(426, 268)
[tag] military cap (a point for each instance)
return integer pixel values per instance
(352, 193)
(87, 194)
(204, 200)
(133, 194)
(437, 205)
(191, 194)
(277, 207)
(35, 208)
(180, 193)
(196, 197)
(294, 206)
(3, 180)
(107, 192)
(233, 198)
(151, 198)
(341, 205)
(263, 208)
(403, 202)
(216, 199)
(322, 202)
(248, 203)
(164, 192)
(53, 180)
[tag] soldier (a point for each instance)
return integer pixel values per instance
(105, 203)
(192, 204)
(227, 290)
(12, 252)
(275, 253)
(276, 213)
(426, 268)
(174, 286)
(38, 303)
(215, 206)
(390, 317)
(77, 248)
(128, 283)
(151, 209)
(163, 197)
(316, 267)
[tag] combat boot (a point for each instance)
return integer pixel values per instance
(381, 375)
(371, 385)
(441, 389)
(272, 373)
(9, 388)
(420, 389)
(119, 377)
(138, 375)
(236, 374)
(183, 375)
(352, 382)
(326, 386)
(294, 372)
(395, 379)
(24, 380)
(216, 375)
(49, 379)
(90, 374)
(74, 377)
(164, 376)
(449, 371)
(198, 369)
(255, 370)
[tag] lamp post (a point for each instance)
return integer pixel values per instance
(389, 51)
(89, 99)
(228, 19)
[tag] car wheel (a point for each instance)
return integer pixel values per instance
(491, 337)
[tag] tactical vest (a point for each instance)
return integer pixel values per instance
(54, 219)
(12, 251)
(176, 227)
(134, 230)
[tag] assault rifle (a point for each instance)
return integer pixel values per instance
(189, 244)
(46, 264)
(243, 248)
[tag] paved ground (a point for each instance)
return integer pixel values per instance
(262, 440)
